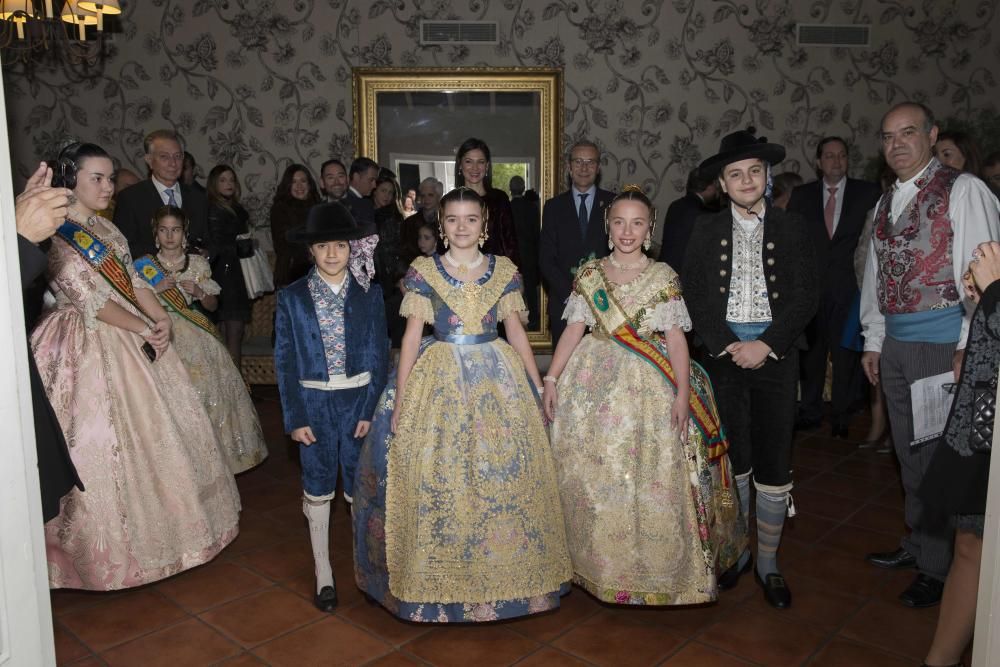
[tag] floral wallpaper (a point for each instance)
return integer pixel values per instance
(260, 83)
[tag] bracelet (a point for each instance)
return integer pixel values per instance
(550, 378)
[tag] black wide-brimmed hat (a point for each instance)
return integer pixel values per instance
(741, 145)
(329, 221)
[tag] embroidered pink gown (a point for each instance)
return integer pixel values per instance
(159, 495)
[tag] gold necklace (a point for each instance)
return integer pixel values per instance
(627, 267)
(171, 267)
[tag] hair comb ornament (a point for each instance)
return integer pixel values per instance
(632, 187)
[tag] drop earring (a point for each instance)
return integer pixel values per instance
(648, 243)
(611, 244)
(444, 240)
(483, 237)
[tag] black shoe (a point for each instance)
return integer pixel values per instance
(806, 424)
(326, 599)
(900, 559)
(731, 577)
(923, 592)
(775, 590)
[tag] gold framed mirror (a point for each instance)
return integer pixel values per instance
(413, 121)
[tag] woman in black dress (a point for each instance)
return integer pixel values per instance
(954, 488)
(473, 169)
(227, 219)
(389, 266)
(295, 195)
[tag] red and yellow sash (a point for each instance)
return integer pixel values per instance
(101, 258)
(591, 283)
(152, 272)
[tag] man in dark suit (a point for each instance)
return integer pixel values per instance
(834, 207)
(39, 212)
(135, 205)
(333, 180)
(357, 199)
(572, 229)
(701, 198)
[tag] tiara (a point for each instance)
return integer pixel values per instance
(632, 187)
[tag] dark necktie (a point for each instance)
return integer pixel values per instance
(171, 200)
(584, 218)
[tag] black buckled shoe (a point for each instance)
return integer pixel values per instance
(900, 559)
(731, 577)
(923, 592)
(775, 590)
(326, 599)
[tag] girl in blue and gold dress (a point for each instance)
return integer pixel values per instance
(456, 511)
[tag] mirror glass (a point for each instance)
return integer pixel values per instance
(413, 121)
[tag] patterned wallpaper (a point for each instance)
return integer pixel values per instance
(259, 83)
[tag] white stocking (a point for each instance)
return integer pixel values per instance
(318, 514)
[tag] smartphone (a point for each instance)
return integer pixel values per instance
(149, 351)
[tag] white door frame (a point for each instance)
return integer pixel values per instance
(25, 612)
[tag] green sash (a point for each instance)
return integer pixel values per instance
(593, 285)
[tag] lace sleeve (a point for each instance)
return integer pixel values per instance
(510, 303)
(577, 310)
(672, 313)
(417, 305)
(201, 273)
(74, 282)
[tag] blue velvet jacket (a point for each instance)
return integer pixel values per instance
(298, 346)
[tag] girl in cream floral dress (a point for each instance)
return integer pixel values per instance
(643, 472)
(181, 278)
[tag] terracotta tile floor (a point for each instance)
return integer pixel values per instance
(252, 605)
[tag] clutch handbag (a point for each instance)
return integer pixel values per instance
(984, 407)
(244, 246)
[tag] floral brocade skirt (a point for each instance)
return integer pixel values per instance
(649, 519)
(457, 516)
(224, 394)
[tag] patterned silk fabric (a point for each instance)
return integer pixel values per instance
(217, 380)
(330, 314)
(473, 527)
(160, 496)
(747, 288)
(648, 518)
(914, 252)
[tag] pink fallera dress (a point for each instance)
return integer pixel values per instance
(159, 495)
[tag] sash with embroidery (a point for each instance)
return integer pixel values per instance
(150, 270)
(591, 283)
(101, 258)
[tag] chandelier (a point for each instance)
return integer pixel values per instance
(54, 31)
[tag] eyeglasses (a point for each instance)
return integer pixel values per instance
(583, 162)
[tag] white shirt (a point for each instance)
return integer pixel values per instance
(356, 193)
(839, 196)
(336, 288)
(162, 189)
(975, 217)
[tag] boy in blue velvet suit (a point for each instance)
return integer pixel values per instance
(331, 356)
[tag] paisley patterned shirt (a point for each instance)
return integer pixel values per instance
(747, 287)
(330, 313)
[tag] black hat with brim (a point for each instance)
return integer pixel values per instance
(329, 221)
(741, 145)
